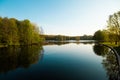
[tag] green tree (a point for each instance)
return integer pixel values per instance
(114, 26)
(27, 32)
(4, 30)
(0, 29)
(9, 32)
(100, 35)
(36, 34)
(13, 37)
(13, 31)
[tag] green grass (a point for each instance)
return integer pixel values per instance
(111, 44)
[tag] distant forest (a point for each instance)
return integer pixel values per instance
(63, 37)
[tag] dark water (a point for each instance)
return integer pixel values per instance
(57, 62)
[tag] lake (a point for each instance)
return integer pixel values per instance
(66, 61)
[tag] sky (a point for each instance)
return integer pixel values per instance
(62, 17)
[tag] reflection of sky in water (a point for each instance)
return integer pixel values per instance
(63, 62)
(72, 50)
(80, 59)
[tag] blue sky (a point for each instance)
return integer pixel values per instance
(66, 17)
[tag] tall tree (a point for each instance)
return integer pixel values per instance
(5, 30)
(114, 26)
(13, 32)
(0, 29)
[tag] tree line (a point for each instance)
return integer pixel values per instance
(112, 33)
(63, 37)
(16, 32)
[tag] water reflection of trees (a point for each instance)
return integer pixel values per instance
(111, 66)
(56, 43)
(109, 62)
(117, 49)
(66, 42)
(100, 50)
(13, 57)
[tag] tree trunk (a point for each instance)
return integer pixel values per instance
(115, 42)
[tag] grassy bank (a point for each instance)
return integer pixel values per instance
(111, 44)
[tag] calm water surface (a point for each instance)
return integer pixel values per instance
(53, 62)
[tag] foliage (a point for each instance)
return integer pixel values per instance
(63, 37)
(100, 35)
(112, 33)
(86, 37)
(15, 32)
(114, 26)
